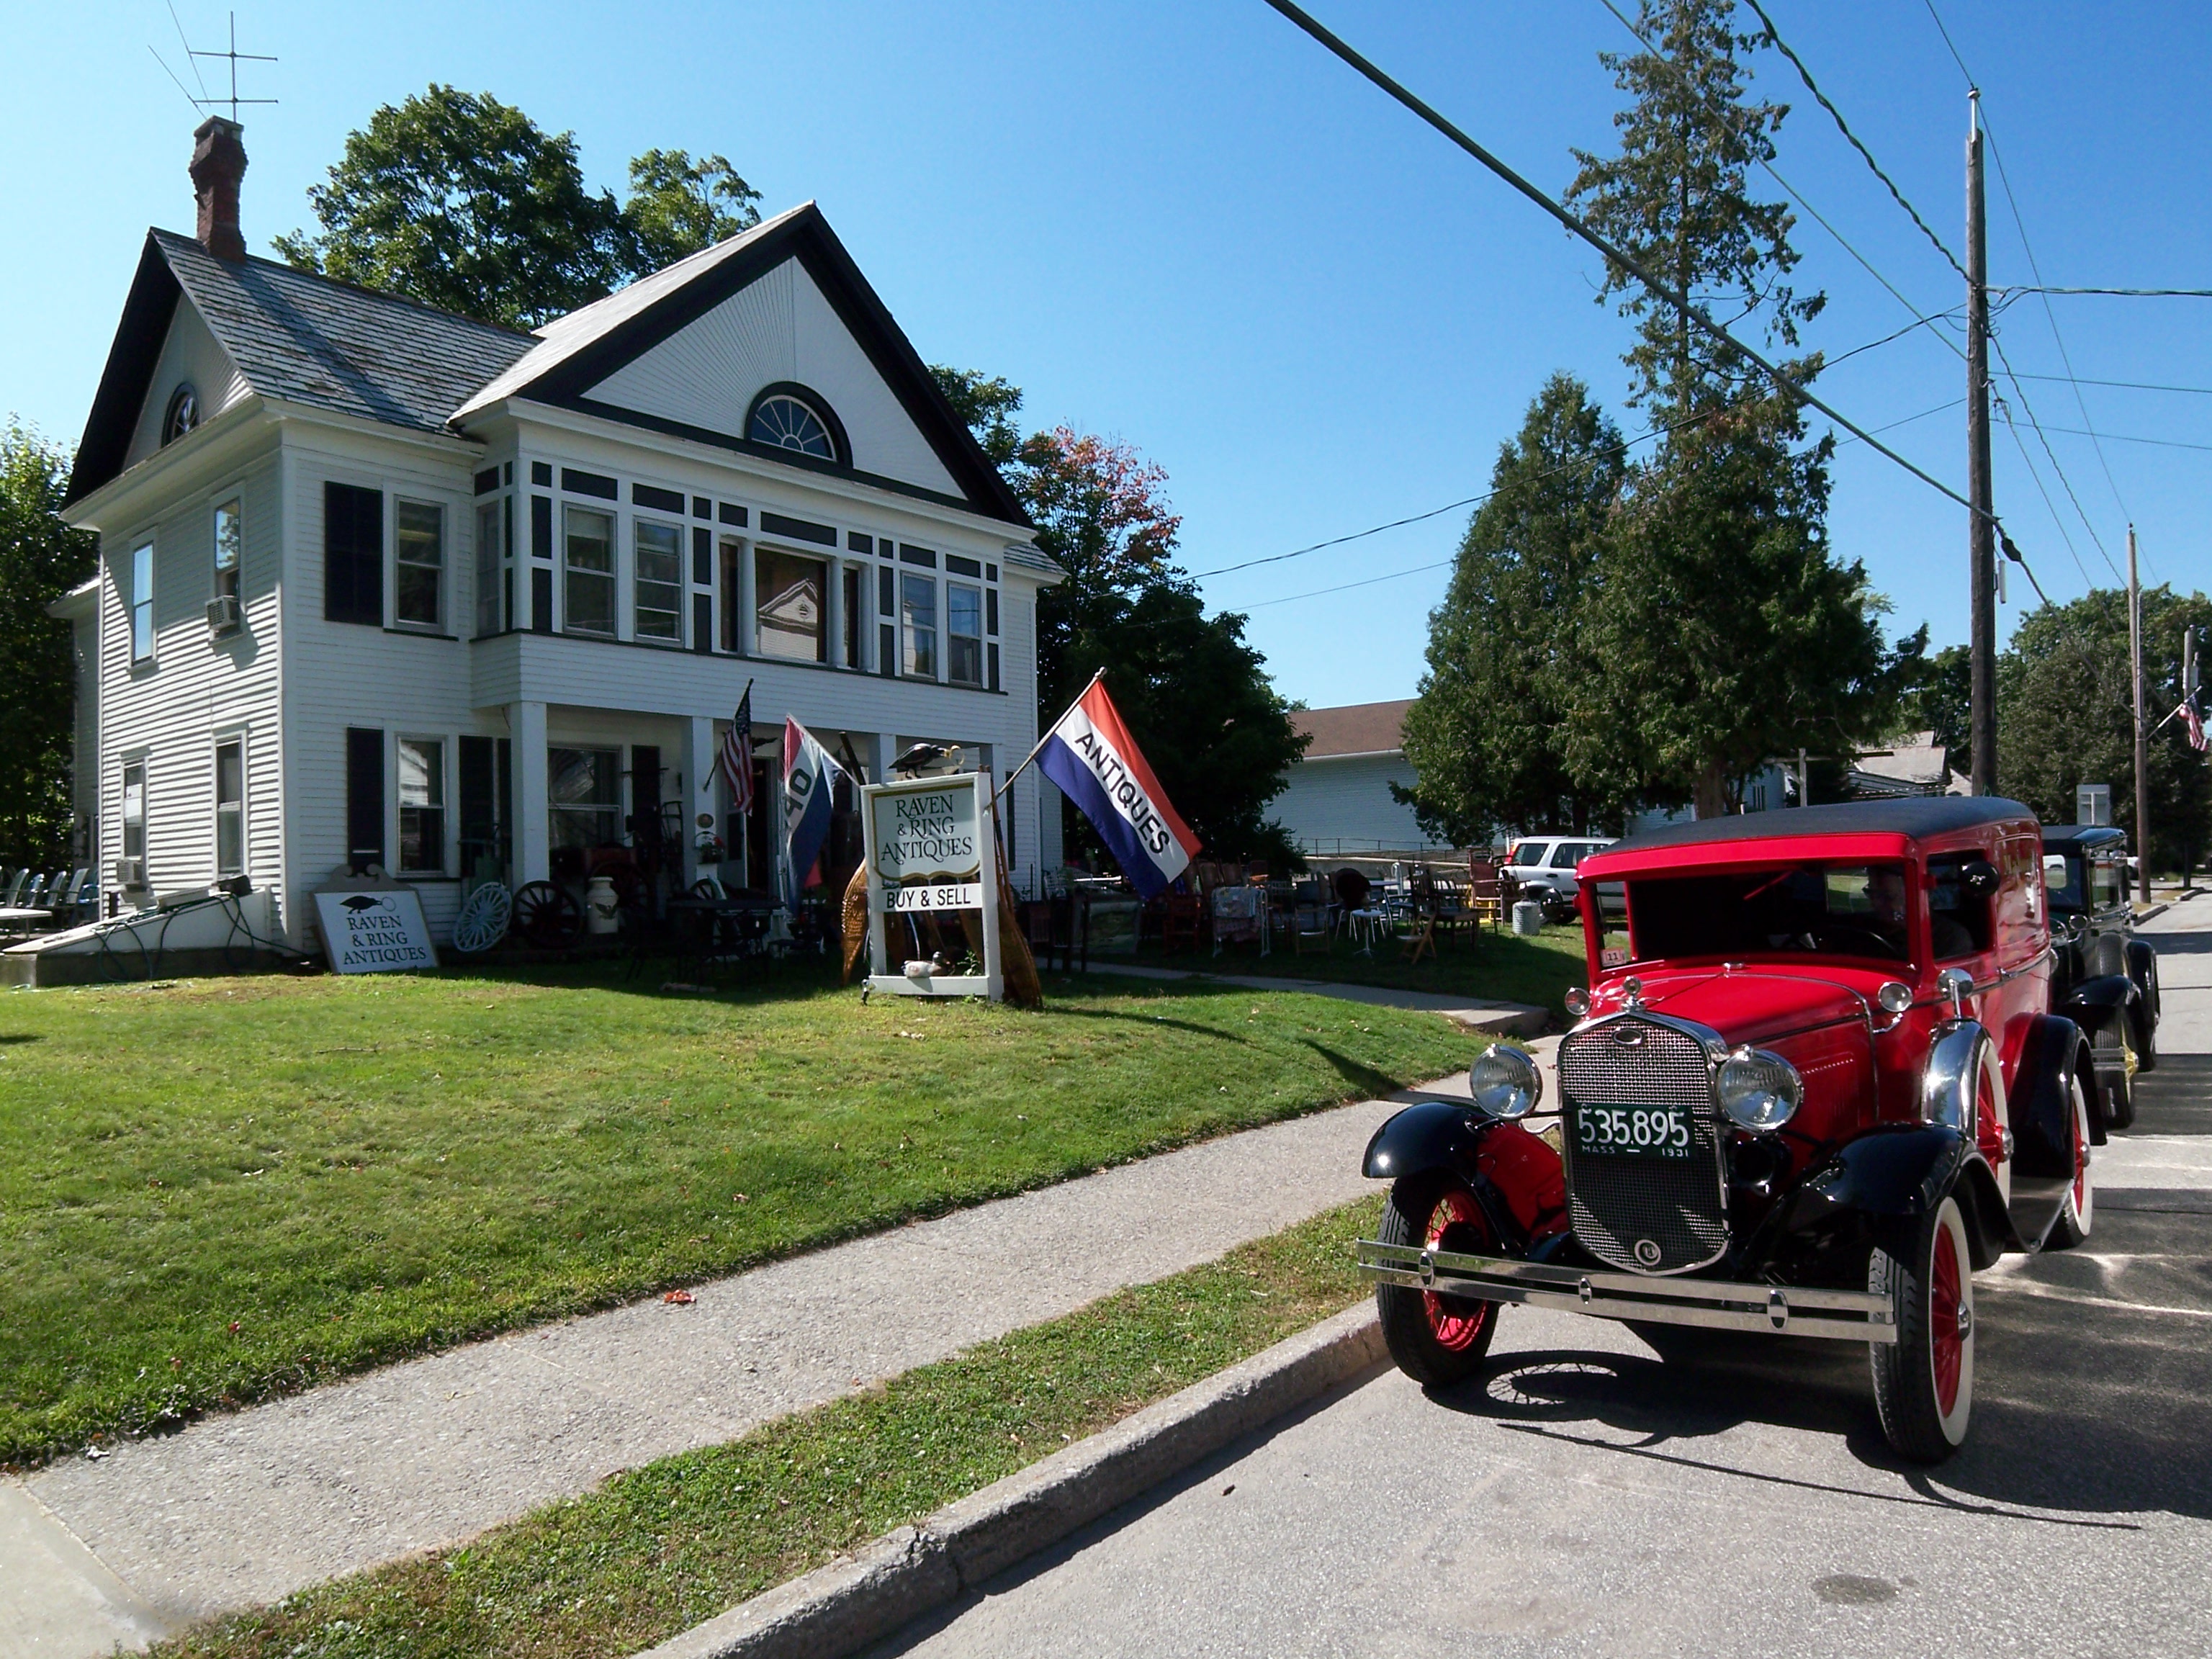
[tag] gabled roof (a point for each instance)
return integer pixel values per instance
(295, 335)
(1359, 728)
(575, 353)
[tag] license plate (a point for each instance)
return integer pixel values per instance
(1632, 1131)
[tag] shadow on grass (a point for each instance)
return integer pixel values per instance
(9, 1039)
(1191, 1026)
(1362, 1077)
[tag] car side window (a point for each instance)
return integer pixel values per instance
(1960, 920)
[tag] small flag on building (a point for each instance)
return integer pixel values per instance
(1090, 753)
(2195, 722)
(809, 779)
(738, 755)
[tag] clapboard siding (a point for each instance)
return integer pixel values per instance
(1334, 805)
(780, 328)
(197, 686)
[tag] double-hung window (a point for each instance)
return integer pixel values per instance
(134, 810)
(422, 806)
(583, 790)
(142, 603)
(489, 551)
(963, 634)
(419, 557)
(656, 581)
(230, 808)
(918, 624)
(229, 548)
(788, 600)
(587, 591)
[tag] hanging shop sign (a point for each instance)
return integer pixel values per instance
(932, 855)
(374, 930)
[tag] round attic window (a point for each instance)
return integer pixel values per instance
(789, 423)
(184, 413)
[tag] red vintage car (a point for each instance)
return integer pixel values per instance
(1814, 1085)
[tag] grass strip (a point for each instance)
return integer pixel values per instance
(229, 1189)
(656, 1550)
(1486, 966)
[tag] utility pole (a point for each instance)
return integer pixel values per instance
(2143, 736)
(1981, 533)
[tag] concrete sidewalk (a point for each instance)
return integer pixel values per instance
(244, 1509)
(1498, 1017)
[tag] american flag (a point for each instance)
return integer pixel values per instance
(738, 755)
(2195, 722)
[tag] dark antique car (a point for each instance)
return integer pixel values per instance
(2104, 978)
(1814, 1085)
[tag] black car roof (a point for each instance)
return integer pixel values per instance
(1918, 817)
(2084, 835)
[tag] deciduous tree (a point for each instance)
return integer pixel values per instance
(41, 558)
(464, 203)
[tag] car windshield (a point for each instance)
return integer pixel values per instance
(1831, 909)
(2069, 896)
(1527, 854)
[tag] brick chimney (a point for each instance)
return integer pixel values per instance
(218, 164)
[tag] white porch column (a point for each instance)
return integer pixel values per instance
(748, 602)
(532, 829)
(698, 790)
(832, 612)
(886, 751)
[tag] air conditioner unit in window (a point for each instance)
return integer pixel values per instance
(224, 615)
(129, 873)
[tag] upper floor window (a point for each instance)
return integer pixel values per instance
(587, 600)
(788, 598)
(963, 634)
(918, 617)
(142, 603)
(490, 578)
(229, 548)
(419, 558)
(789, 421)
(656, 581)
(183, 413)
(353, 554)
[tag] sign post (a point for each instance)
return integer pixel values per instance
(931, 847)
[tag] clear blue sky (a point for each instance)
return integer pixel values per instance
(1185, 226)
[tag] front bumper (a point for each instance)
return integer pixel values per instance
(1848, 1316)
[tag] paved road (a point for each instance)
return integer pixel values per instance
(1586, 1497)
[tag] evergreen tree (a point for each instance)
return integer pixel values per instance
(41, 558)
(1485, 735)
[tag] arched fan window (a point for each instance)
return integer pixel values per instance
(790, 422)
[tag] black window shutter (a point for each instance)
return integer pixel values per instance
(541, 601)
(702, 622)
(479, 812)
(364, 797)
(353, 554)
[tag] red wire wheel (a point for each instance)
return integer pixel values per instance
(1437, 1341)
(1924, 1382)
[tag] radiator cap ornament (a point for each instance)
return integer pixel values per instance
(1647, 1253)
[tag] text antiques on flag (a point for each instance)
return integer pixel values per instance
(1090, 753)
(809, 778)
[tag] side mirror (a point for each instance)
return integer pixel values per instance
(1978, 878)
(2054, 872)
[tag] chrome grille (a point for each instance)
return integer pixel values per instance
(1617, 1201)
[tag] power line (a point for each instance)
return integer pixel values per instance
(1690, 310)
(1367, 582)
(2125, 385)
(2067, 483)
(1945, 33)
(1844, 127)
(2037, 286)
(2124, 438)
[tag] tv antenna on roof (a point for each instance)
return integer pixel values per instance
(234, 57)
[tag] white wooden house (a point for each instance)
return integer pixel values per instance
(1336, 799)
(384, 586)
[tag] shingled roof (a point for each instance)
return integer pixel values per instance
(1359, 728)
(295, 336)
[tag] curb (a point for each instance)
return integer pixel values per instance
(841, 1608)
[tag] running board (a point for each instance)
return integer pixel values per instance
(1848, 1316)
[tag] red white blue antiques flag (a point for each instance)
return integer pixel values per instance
(809, 780)
(738, 755)
(1090, 753)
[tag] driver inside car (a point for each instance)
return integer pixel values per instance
(1886, 892)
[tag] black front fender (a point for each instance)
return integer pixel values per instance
(2095, 1003)
(1433, 1135)
(1876, 1190)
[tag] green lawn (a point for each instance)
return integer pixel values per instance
(657, 1550)
(1492, 965)
(217, 1189)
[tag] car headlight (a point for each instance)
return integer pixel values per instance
(1506, 1082)
(1759, 1090)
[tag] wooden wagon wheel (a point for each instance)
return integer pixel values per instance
(484, 918)
(547, 916)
